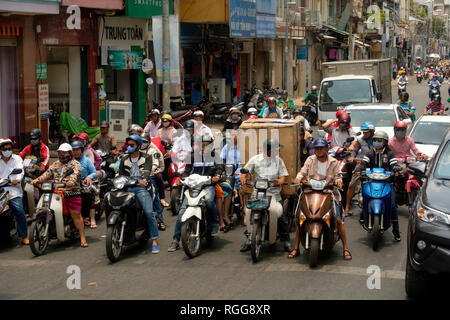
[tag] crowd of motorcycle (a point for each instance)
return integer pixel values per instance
(364, 171)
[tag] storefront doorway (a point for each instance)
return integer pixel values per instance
(9, 110)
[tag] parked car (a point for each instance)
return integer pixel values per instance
(428, 239)
(428, 131)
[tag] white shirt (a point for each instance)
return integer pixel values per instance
(151, 128)
(15, 162)
(322, 168)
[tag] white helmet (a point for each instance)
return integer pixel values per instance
(198, 113)
(65, 147)
(4, 141)
(250, 110)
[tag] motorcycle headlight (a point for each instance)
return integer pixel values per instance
(47, 186)
(378, 176)
(429, 215)
(119, 183)
(262, 184)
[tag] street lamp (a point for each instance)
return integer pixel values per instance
(286, 53)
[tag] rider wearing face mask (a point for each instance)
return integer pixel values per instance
(38, 149)
(166, 131)
(234, 120)
(8, 163)
(381, 157)
(403, 145)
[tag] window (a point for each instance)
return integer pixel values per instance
(429, 132)
(442, 170)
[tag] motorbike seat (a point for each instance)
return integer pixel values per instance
(178, 113)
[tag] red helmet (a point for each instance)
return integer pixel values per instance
(401, 124)
(83, 136)
(252, 117)
(339, 112)
(344, 117)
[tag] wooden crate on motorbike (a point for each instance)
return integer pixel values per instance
(254, 132)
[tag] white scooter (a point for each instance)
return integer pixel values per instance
(194, 224)
(51, 220)
(263, 212)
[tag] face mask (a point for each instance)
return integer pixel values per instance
(64, 159)
(131, 149)
(235, 117)
(7, 153)
(34, 142)
(400, 134)
(378, 145)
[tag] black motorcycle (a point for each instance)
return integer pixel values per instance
(125, 217)
(7, 222)
(309, 112)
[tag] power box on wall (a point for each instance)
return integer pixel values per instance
(216, 87)
(120, 117)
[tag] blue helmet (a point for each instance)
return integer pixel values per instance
(320, 143)
(136, 138)
(77, 145)
(368, 126)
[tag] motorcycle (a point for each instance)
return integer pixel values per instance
(7, 221)
(419, 76)
(402, 85)
(435, 89)
(317, 224)
(377, 192)
(125, 216)
(263, 222)
(87, 195)
(309, 112)
(52, 220)
(194, 223)
(32, 171)
(407, 185)
(176, 171)
(255, 99)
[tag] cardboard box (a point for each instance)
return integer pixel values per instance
(254, 132)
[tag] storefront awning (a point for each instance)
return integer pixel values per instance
(330, 27)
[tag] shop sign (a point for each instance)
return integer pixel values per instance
(146, 8)
(266, 19)
(302, 53)
(41, 71)
(118, 31)
(125, 60)
(242, 18)
(147, 66)
(43, 98)
(98, 4)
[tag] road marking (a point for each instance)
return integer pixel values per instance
(354, 271)
(24, 263)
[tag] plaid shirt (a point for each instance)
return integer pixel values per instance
(57, 170)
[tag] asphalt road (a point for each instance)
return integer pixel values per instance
(220, 272)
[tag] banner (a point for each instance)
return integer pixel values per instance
(266, 19)
(125, 60)
(43, 99)
(146, 8)
(242, 18)
(174, 61)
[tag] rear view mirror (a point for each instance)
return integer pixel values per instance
(359, 133)
(350, 139)
(16, 171)
(417, 168)
(379, 96)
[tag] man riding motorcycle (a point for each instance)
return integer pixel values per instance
(325, 165)
(381, 157)
(434, 81)
(403, 145)
(89, 152)
(131, 166)
(306, 146)
(152, 127)
(88, 173)
(436, 106)
(269, 165)
(272, 111)
(105, 140)
(285, 103)
(9, 162)
(38, 149)
(343, 130)
(297, 112)
(252, 113)
(311, 96)
(407, 105)
(364, 144)
(202, 163)
(56, 171)
(336, 124)
(234, 119)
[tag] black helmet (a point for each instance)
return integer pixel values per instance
(189, 126)
(404, 95)
(271, 144)
(436, 97)
(35, 134)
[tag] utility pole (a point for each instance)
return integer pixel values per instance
(285, 55)
(166, 56)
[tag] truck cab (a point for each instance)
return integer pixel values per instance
(338, 92)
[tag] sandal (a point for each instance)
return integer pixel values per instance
(86, 222)
(347, 256)
(84, 245)
(93, 226)
(349, 214)
(294, 253)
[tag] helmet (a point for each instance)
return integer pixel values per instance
(271, 99)
(136, 138)
(65, 147)
(155, 111)
(320, 143)
(400, 124)
(437, 97)
(345, 117)
(252, 111)
(253, 116)
(166, 117)
(207, 138)
(77, 145)
(83, 136)
(104, 124)
(381, 135)
(35, 134)
(404, 95)
(367, 126)
(135, 129)
(314, 88)
(271, 144)
(235, 110)
(339, 112)
(189, 126)
(199, 113)
(4, 141)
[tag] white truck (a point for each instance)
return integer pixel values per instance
(354, 81)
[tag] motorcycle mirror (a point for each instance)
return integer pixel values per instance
(69, 172)
(16, 171)
(350, 139)
(379, 96)
(244, 171)
(359, 133)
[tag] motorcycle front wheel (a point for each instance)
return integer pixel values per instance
(39, 238)
(256, 241)
(376, 232)
(189, 238)
(113, 246)
(314, 252)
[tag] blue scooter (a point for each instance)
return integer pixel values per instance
(377, 192)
